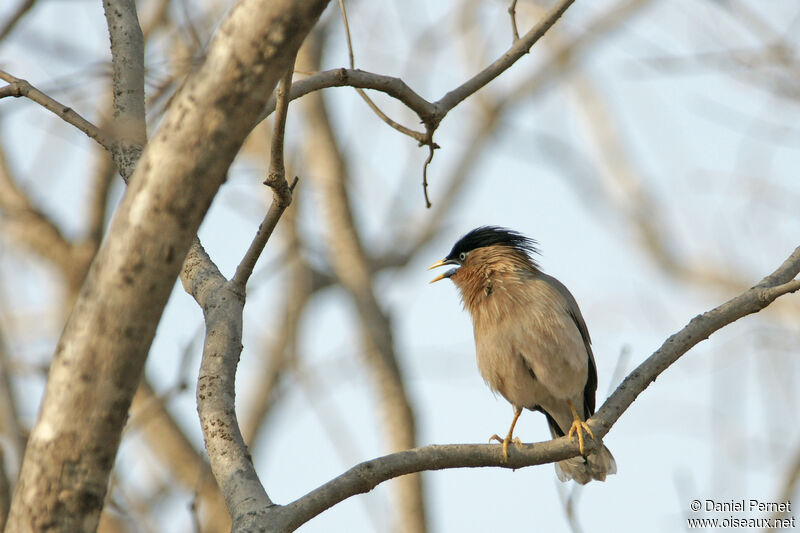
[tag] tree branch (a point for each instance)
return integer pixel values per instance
(276, 180)
(419, 136)
(431, 113)
(562, 61)
(512, 12)
(343, 77)
(223, 304)
(699, 328)
(520, 47)
(18, 87)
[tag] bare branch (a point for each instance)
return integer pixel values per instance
(347, 34)
(223, 304)
(342, 77)
(563, 60)
(18, 87)
(419, 136)
(512, 12)
(503, 63)
(428, 160)
(276, 180)
(430, 113)
(699, 328)
(276, 177)
(367, 475)
(416, 135)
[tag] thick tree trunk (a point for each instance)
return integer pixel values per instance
(99, 359)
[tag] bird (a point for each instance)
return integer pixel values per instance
(531, 341)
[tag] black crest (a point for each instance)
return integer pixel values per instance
(494, 236)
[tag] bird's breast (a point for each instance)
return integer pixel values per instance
(528, 348)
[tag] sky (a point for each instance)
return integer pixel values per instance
(714, 149)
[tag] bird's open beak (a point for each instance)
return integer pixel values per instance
(443, 262)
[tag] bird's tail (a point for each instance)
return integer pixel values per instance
(598, 464)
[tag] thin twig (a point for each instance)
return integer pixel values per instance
(347, 34)
(418, 136)
(425, 175)
(276, 180)
(18, 87)
(431, 113)
(564, 59)
(520, 47)
(342, 77)
(512, 11)
(421, 138)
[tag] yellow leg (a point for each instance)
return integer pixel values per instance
(509, 438)
(578, 426)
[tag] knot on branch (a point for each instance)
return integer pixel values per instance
(126, 155)
(282, 191)
(15, 89)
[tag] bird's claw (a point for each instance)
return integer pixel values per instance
(579, 426)
(506, 441)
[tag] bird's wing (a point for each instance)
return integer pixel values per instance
(574, 311)
(556, 344)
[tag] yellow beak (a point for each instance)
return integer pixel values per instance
(438, 264)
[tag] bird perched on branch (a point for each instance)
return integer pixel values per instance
(531, 341)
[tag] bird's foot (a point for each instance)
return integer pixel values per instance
(506, 441)
(579, 427)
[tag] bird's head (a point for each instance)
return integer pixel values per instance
(487, 246)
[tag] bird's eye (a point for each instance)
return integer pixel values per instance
(462, 256)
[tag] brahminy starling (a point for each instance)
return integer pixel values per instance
(531, 341)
